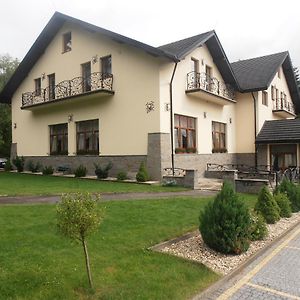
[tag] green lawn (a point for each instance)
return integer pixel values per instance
(36, 263)
(26, 184)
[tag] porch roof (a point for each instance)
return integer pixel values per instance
(279, 131)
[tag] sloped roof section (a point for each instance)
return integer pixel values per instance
(256, 74)
(279, 131)
(183, 47)
(46, 36)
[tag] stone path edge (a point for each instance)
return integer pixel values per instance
(216, 286)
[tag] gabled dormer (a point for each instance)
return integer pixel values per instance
(208, 75)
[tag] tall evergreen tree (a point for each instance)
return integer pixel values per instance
(8, 65)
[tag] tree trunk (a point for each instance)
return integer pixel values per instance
(87, 262)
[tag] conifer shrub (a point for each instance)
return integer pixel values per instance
(32, 167)
(267, 206)
(102, 172)
(122, 175)
(142, 174)
(258, 229)
(8, 166)
(19, 162)
(293, 193)
(284, 204)
(48, 170)
(225, 223)
(80, 171)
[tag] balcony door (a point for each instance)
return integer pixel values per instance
(51, 84)
(195, 80)
(208, 74)
(86, 77)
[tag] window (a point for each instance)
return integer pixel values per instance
(265, 98)
(86, 74)
(219, 137)
(87, 133)
(106, 65)
(276, 94)
(59, 139)
(38, 86)
(67, 42)
(195, 65)
(185, 134)
(51, 83)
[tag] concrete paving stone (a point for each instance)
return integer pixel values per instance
(251, 293)
(282, 273)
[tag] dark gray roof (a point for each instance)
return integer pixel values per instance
(46, 36)
(257, 73)
(279, 131)
(180, 48)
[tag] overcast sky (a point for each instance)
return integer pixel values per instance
(246, 28)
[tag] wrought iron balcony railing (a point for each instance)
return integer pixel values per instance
(79, 85)
(210, 84)
(283, 104)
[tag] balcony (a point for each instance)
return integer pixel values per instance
(283, 108)
(202, 86)
(96, 83)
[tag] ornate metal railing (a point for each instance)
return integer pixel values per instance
(203, 81)
(67, 88)
(284, 104)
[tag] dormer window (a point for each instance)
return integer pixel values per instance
(67, 42)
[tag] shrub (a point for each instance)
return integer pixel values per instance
(122, 175)
(48, 170)
(102, 173)
(142, 174)
(32, 167)
(80, 171)
(292, 192)
(225, 223)
(258, 228)
(19, 162)
(78, 215)
(169, 183)
(284, 204)
(267, 206)
(8, 166)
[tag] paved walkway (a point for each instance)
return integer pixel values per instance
(109, 197)
(274, 275)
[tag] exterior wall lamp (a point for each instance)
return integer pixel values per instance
(70, 118)
(205, 115)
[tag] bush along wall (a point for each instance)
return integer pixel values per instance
(225, 223)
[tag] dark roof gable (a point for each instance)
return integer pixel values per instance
(257, 73)
(46, 36)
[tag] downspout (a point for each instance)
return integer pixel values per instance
(171, 118)
(255, 129)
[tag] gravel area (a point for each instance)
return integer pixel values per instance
(194, 248)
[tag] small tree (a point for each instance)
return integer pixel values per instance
(267, 206)
(142, 174)
(78, 215)
(225, 223)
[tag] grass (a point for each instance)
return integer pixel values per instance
(36, 263)
(14, 184)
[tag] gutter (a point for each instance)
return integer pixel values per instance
(171, 118)
(255, 129)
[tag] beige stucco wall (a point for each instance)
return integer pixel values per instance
(123, 121)
(194, 107)
(265, 112)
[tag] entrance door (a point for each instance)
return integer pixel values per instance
(86, 74)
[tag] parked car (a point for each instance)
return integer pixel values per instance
(2, 162)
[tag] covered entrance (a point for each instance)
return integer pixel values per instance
(283, 156)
